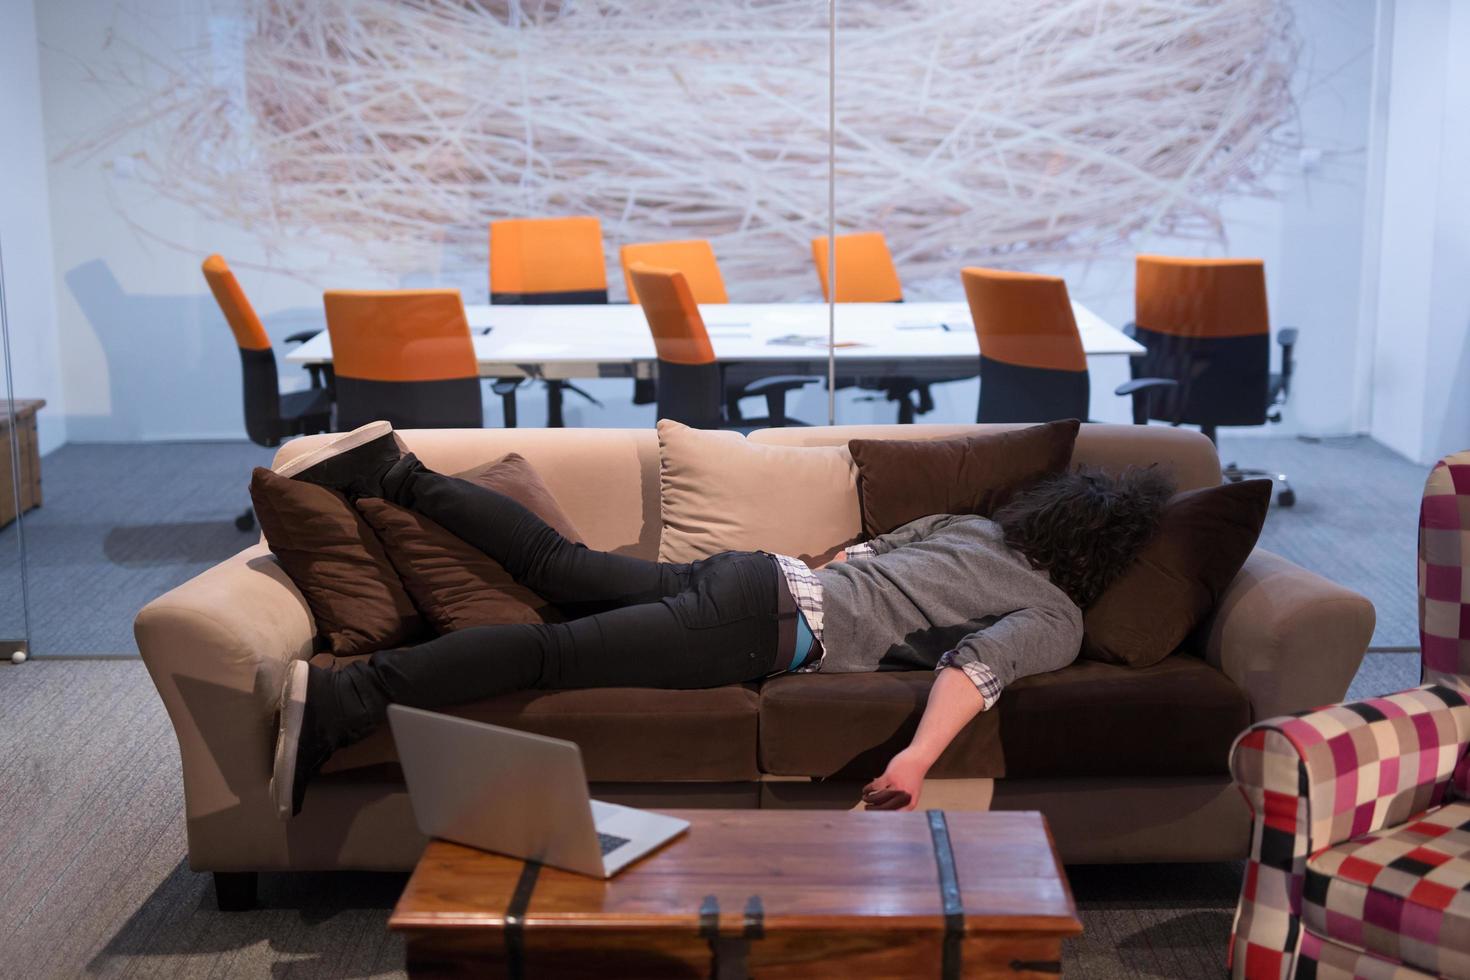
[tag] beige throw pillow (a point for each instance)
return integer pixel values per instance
(719, 492)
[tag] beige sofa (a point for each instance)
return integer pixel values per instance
(1127, 765)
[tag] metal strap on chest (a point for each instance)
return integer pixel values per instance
(515, 921)
(728, 954)
(950, 899)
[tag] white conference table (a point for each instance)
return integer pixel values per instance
(920, 340)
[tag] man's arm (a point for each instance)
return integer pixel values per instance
(971, 678)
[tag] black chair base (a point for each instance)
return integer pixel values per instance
(555, 389)
(506, 389)
(246, 521)
(773, 389)
(1285, 495)
(912, 396)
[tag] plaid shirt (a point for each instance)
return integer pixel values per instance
(806, 590)
(980, 675)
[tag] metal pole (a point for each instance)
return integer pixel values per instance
(831, 212)
(19, 647)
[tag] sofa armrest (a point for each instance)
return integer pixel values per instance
(217, 648)
(1323, 777)
(1288, 637)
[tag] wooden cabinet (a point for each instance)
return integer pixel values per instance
(27, 450)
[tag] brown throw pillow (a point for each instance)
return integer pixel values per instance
(453, 584)
(336, 561)
(900, 480)
(1204, 538)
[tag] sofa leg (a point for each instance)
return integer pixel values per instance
(235, 890)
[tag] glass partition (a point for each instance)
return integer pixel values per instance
(319, 147)
(1062, 139)
(20, 490)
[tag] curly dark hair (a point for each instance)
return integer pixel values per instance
(1084, 527)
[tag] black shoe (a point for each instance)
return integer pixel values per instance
(301, 747)
(354, 465)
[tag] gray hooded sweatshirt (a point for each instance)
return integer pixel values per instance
(941, 584)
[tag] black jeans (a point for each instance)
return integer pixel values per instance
(637, 623)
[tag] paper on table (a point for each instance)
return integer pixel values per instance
(812, 340)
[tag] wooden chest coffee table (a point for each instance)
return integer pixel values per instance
(758, 893)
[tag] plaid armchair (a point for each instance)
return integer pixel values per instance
(1360, 838)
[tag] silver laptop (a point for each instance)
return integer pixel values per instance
(518, 794)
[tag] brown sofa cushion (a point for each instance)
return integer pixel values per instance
(1176, 718)
(336, 561)
(1204, 538)
(626, 734)
(453, 584)
(900, 480)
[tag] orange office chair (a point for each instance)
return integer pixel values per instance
(866, 274)
(270, 416)
(695, 258)
(405, 356)
(1205, 323)
(1032, 366)
(691, 382)
(865, 269)
(545, 262)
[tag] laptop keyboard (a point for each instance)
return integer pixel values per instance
(610, 842)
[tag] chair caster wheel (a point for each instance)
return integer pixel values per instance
(1286, 497)
(245, 521)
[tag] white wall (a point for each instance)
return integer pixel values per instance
(1421, 359)
(25, 226)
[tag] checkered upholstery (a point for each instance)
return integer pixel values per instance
(1323, 960)
(1328, 782)
(1444, 583)
(1399, 893)
(1326, 777)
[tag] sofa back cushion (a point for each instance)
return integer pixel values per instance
(604, 480)
(1189, 456)
(723, 492)
(453, 584)
(607, 481)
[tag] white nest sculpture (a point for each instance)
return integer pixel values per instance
(968, 132)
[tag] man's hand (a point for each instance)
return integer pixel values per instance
(840, 556)
(898, 787)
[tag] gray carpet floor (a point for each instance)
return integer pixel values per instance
(1355, 521)
(122, 524)
(93, 879)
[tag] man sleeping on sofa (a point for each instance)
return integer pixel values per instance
(982, 601)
